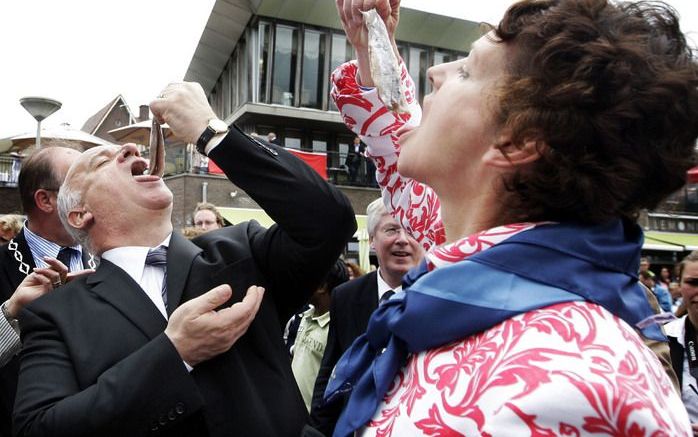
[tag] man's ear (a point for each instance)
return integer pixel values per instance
(508, 155)
(42, 200)
(80, 218)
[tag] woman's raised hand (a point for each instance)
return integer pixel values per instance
(357, 34)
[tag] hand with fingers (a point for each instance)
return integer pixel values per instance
(199, 332)
(184, 107)
(353, 24)
(39, 282)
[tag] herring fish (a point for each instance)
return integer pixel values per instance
(157, 150)
(385, 68)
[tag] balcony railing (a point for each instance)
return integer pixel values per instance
(9, 170)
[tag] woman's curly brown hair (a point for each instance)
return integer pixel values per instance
(612, 90)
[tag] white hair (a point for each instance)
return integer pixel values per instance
(68, 199)
(374, 212)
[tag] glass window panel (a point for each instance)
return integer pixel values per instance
(263, 59)
(342, 51)
(313, 79)
(292, 142)
(320, 146)
(417, 68)
(285, 58)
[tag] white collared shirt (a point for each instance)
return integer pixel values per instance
(383, 286)
(41, 247)
(677, 329)
(131, 259)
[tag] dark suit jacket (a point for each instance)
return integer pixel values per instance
(10, 278)
(97, 362)
(351, 305)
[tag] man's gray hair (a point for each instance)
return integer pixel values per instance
(68, 199)
(374, 211)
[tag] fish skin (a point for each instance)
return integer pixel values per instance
(157, 150)
(385, 67)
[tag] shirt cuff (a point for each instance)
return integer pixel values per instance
(212, 143)
(189, 368)
(10, 343)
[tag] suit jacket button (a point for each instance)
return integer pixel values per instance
(171, 415)
(163, 420)
(179, 408)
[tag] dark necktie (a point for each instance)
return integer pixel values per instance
(158, 258)
(387, 295)
(65, 255)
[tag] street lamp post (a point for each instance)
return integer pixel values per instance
(39, 108)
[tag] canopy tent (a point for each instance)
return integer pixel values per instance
(138, 133)
(237, 215)
(52, 136)
(670, 241)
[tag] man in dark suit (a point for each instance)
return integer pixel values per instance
(353, 302)
(42, 236)
(150, 343)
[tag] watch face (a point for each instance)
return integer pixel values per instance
(218, 125)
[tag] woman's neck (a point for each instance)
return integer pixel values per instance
(464, 215)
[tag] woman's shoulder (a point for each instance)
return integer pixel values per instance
(571, 367)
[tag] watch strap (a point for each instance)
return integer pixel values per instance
(203, 140)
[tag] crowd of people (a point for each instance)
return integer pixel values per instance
(510, 297)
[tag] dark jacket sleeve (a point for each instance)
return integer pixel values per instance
(323, 417)
(314, 220)
(130, 398)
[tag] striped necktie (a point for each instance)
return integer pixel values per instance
(158, 258)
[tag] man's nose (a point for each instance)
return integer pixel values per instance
(401, 237)
(128, 150)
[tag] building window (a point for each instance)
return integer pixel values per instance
(285, 59)
(341, 52)
(313, 79)
(417, 67)
(263, 60)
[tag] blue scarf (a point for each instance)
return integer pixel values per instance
(546, 265)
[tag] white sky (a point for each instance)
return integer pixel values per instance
(86, 52)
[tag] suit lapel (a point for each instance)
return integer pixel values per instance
(116, 287)
(366, 302)
(180, 255)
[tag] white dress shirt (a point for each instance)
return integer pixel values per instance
(383, 286)
(131, 259)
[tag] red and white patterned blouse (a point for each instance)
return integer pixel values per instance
(570, 369)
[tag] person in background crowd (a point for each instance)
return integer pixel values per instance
(306, 332)
(207, 217)
(514, 165)
(682, 332)
(191, 232)
(10, 226)
(649, 280)
(351, 304)
(677, 300)
(168, 336)
(43, 252)
(355, 157)
(271, 137)
(353, 270)
(665, 277)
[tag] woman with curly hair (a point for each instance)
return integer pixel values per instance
(523, 178)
